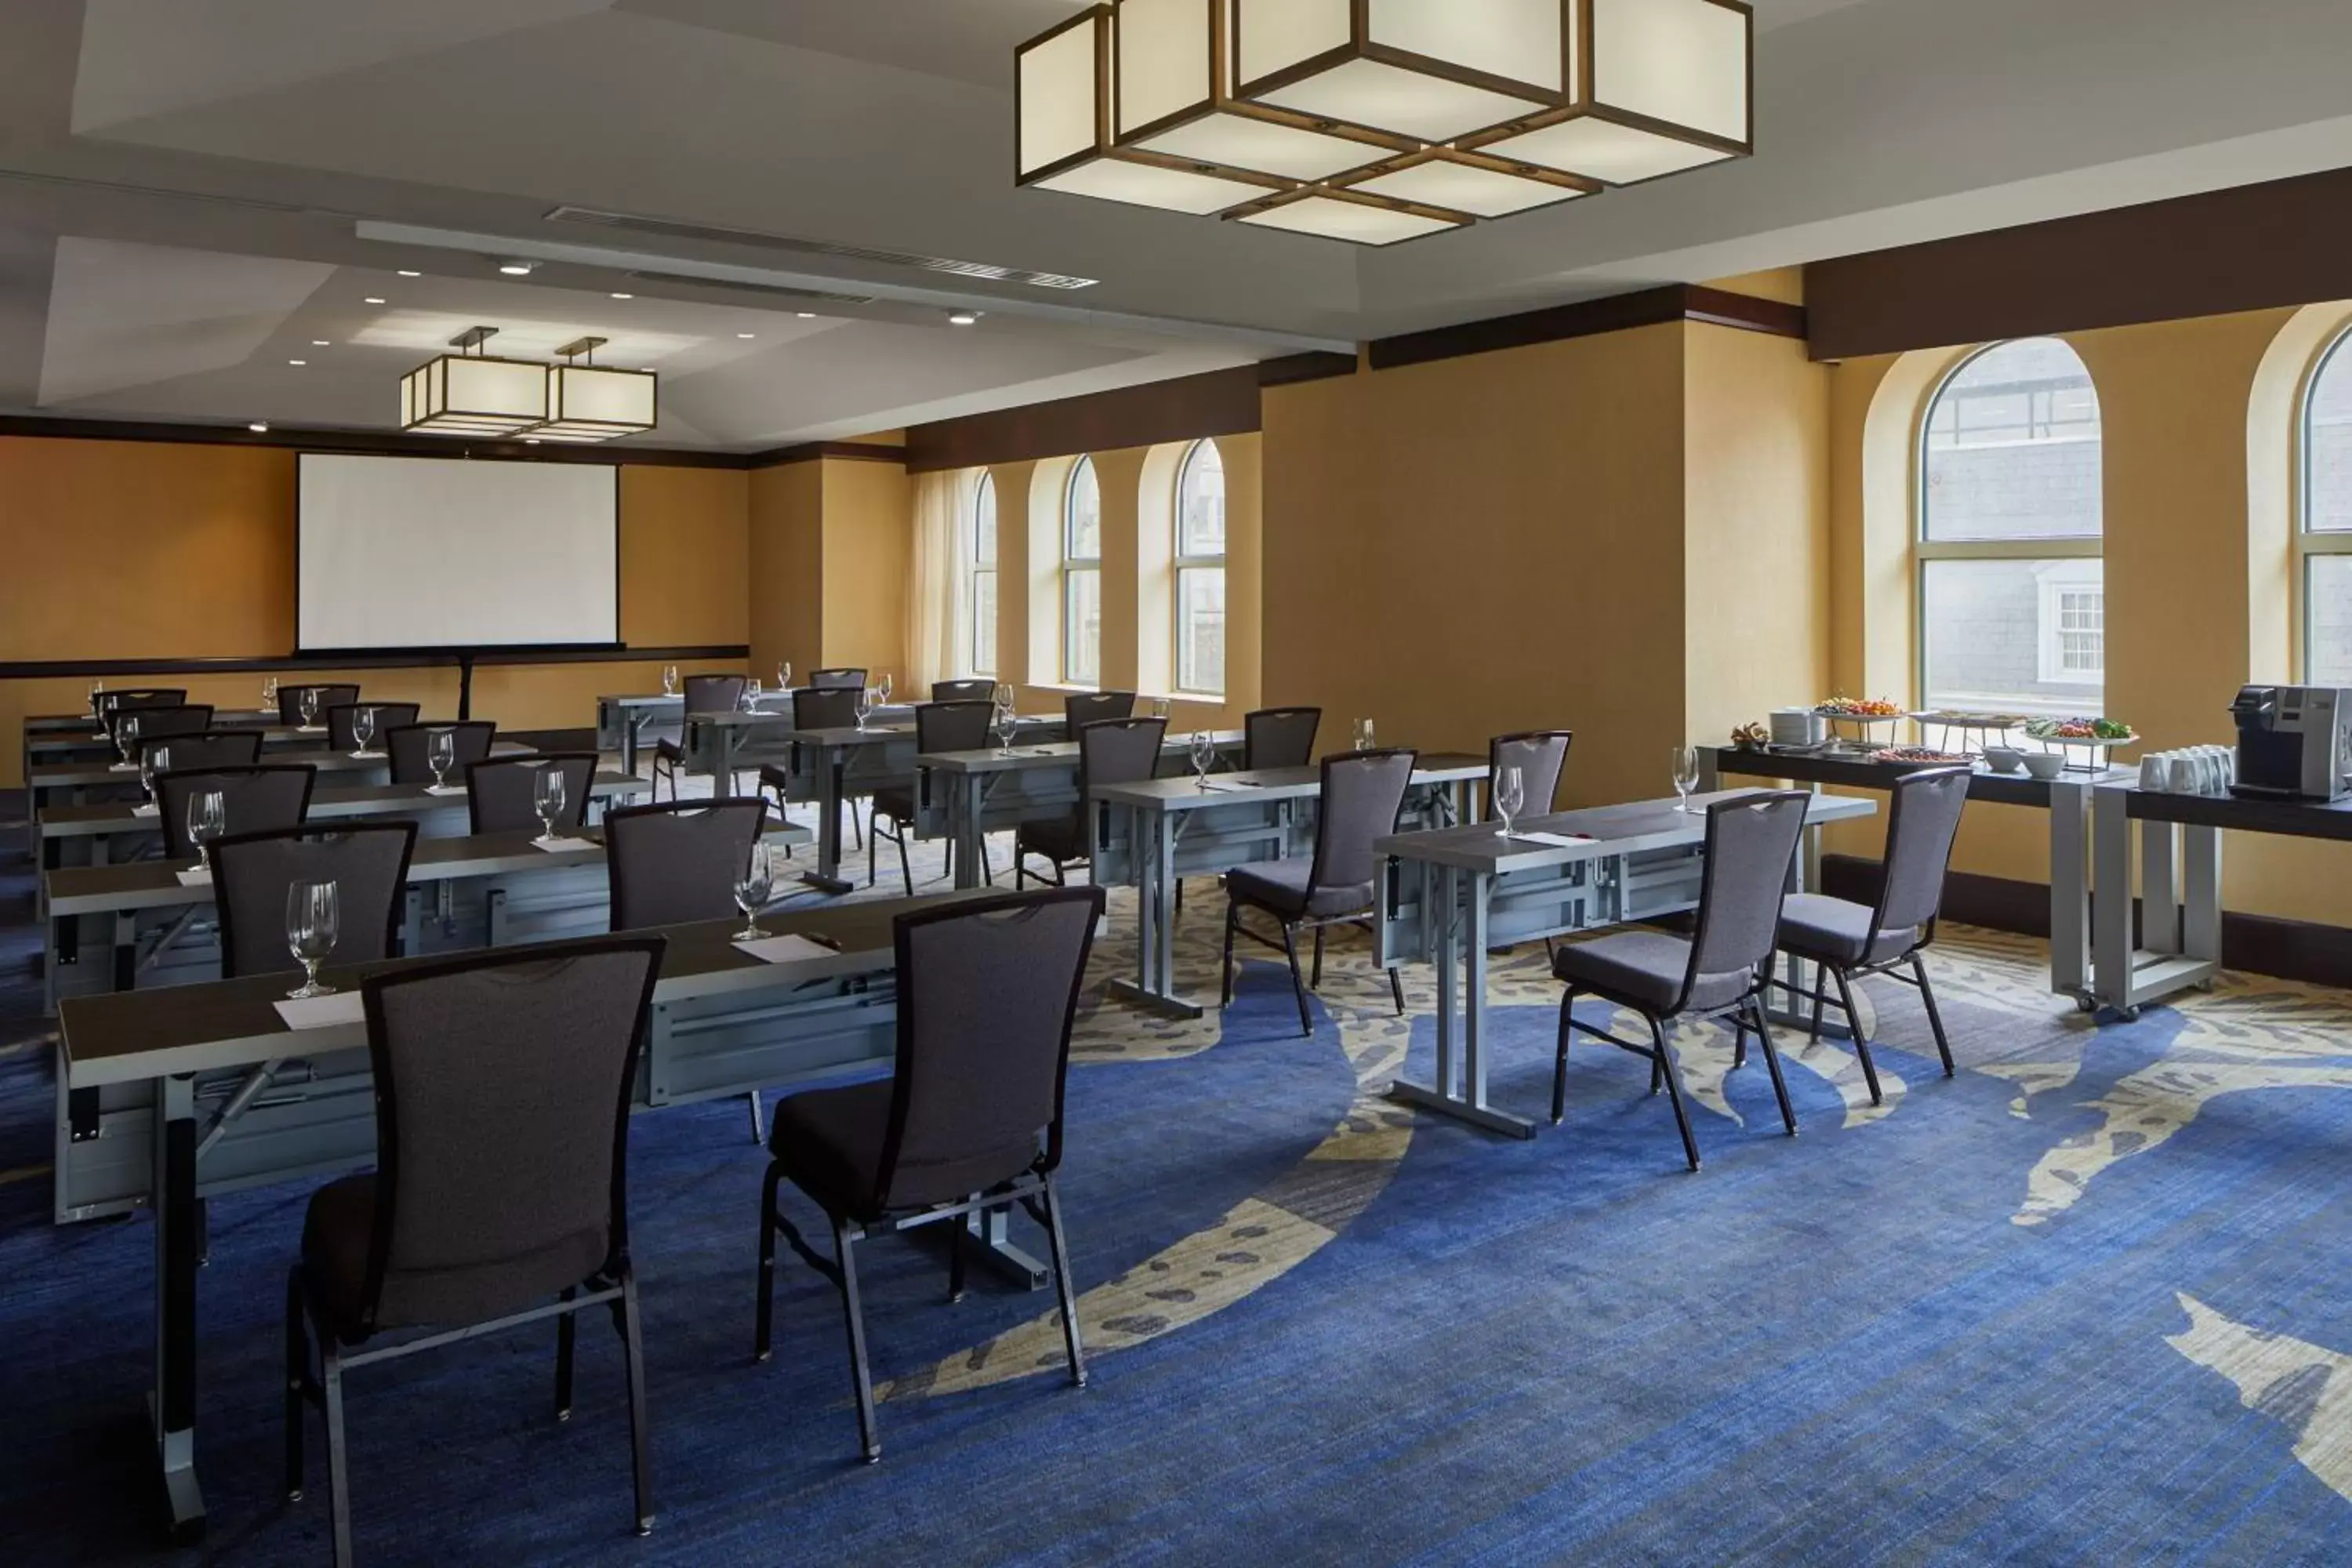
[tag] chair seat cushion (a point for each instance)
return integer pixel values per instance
(1817, 926)
(1280, 887)
(829, 1143)
(896, 802)
(1645, 969)
(1060, 839)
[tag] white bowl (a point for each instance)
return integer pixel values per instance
(2045, 766)
(2004, 759)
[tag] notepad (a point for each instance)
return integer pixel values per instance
(785, 950)
(197, 877)
(444, 789)
(323, 1012)
(1556, 840)
(556, 846)
(148, 810)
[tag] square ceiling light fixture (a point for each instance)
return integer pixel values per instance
(590, 402)
(1314, 115)
(470, 394)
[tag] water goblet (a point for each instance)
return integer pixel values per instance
(1363, 734)
(441, 755)
(1685, 763)
(669, 680)
(207, 820)
(1204, 756)
(313, 922)
(753, 886)
(1510, 793)
(362, 730)
(547, 798)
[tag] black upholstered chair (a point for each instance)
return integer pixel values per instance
(1845, 941)
(500, 1193)
(1110, 751)
(368, 863)
(816, 707)
(842, 678)
(111, 702)
(705, 694)
(938, 727)
(410, 745)
(161, 718)
(213, 749)
(1751, 843)
(502, 793)
(676, 862)
(343, 716)
(1363, 791)
(1080, 709)
(289, 700)
(970, 1120)
(260, 799)
(1539, 756)
(1280, 737)
(964, 690)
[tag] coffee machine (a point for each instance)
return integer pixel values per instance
(2294, 742)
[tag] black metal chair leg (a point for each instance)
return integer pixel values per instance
(1739, 1040)
(956, 1233)
(640, 1422)
(1674, 1090)
(1226, 973)
(1297, 987)
(906, 871)
(1861, 1045)
(1934, 1017)
(297, 1383)
(1772, 1061)
(339, 1481)
(1820, 983)
(1065, 1284)
(1396, 990)
(860, 1379)
(767, 1288)
(1560, 1064)
(564, 1329)
(1316, 983)
(873, 847)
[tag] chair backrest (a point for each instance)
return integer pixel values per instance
(845, 678)
(1080, 709)
(1117, 751)
(1537, 754)
(1751, 843)
(953, 726)
(289, 700)
(676, 861)
(1923, 821)
(411, 744)
(987, 990)
(141, 697)
(502, 1089)
(714, 693)
(964, 690)
(824, 707)
(161, 719)
(502, 793)
(260, 799)
(389, 716)
(1363, 791)
(368, 863)
(1280, 737)
(213, 749)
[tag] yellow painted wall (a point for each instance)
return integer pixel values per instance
(869, 521)
(786, 574)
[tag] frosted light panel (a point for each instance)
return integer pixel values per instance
(1356, 221)
(1519, 39)
(1238, 142)
(1466, 188)
(1681, 61)
(1389, 98)
(598, 403)
(1148, 185)
(1163, 60)
(1272, 34)
(1058, 97)
(1618, 154)
(445, 552)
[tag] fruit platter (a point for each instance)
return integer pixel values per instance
(1963, 729)
(1921, 757)
(1859, 715)
(2093, 738)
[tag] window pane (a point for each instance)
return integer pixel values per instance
(2328, 622)
(2012, 447)
(1082, 535)
(983, 623)
(2328, 444)
(1082, 626)
(984, 522)
(2028, 636)
(1200, 629)
(1200, 503)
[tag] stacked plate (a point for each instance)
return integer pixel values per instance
(1797, 727)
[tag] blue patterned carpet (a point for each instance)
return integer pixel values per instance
(2087, 1304)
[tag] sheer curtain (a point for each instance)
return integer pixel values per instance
(938, 617)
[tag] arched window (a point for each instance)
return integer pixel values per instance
(1200, 617)
(1082, 577)
(2012, 606)
(982, 603)
(2324, 540)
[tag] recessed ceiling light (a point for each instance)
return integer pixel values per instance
(531, 440)
(517, 269)
(404, 272)
(371, 299)
(747, 334)
(648, 369)
(621, 296)
(321, 343)
(805, 315)
(260, 427)
(298, 362)
(962, 318)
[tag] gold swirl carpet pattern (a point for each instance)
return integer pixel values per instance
(2305, 1387)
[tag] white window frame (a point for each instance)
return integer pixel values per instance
(2058, 585)
(977, 567)
(2313, 542)
(1075, 566)
(1181, 563)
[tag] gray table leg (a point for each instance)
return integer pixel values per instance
(2160, 907)
(173, 1404)
(2111, 915)
(1462, 946)
(2070, 896)
(827, 875)
(2200, 904)
(1152, 845)
(963, 818)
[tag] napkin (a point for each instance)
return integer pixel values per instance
(444, 789)
(323, 1012)
(122, 767)
(310, 728)
(1556, 840)
(149, 809)
(785, 950)
(196, 877)
(557, 845)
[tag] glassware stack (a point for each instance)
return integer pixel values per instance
(2190, 770)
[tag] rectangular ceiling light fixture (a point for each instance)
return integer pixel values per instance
(590, 402)
(470, 394)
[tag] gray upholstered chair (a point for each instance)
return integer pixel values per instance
(842, 678)
(111, 702)
(1080, 709)
(161, 718)
(343, 716)
(1539, 754)
(502, 793)
(970, 1120)
(410, 746)
(1280, 737)
(964, 690)
(705, 695)
(213, 749)
(259, 799)
(1845, 941)
(938, 727)
(1363, 791)
(289, 700)
(1110, 751)
(676, 862)
(368, 863)
(500, 1193)
(816, 707)
(1751, 844)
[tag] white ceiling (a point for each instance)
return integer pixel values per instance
(194, 191)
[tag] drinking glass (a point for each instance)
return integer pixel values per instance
(441, 755)
(753, 886)
(153, 760)
(1160, 707)
(207, 820)
(363, 729)
(1510, 793)
(1685, 775)
(751, 687)
(548, 797)
(1007, 726)
(1204, 756)
(269, 695)
(1363, 734)
(307, 704)
(313, 921)
(784, 676)
(97, 690)
(866, 706)
(669, 680)
(126, 734)
(1004, 697)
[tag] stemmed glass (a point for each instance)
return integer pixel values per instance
(97, 690)
(1685, 775)
(1204, 756)
(784, 676)
(153, 760)
(884, 687)
(753, 883)
(307, 704)
(1160, 707)
(441, 755)
(269, 695)
(313, 921)
(126, 737)
(1007, 726)
(669, 680)
(1509, 794)
(207, 820)
(866, 706)
(547, 796)
(362, 730)
(1363, 734)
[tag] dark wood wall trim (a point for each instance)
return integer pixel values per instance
(1591, 318)
(361, 443)
(1215, 402)
(264, 664)
(2252, 248)
(809, 451)
(1292, 369)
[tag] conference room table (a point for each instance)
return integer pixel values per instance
(623, 718)
(723, 744)
(1448, 897)
(55, 736)
(69, 783)
(201, 1090)
(1150, 834)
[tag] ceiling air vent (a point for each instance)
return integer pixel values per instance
(670, 229)
(767, 291)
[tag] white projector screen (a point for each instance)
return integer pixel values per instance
(447, 552)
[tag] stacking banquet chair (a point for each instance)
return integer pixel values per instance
(411, 745)
(258, 799)
(389, 716)
(964, 690)
(1363, 793)
(938, 727)
(289, 700)
(842, 678)
(704, 694)
(1080, 709)
(1751, 844)
(816, 707)
(213, 749)
(109, 702)
(970, 1118)
(1845, 941)
(1110, 751)
(368, 863)
(1280, 737)
(162, 719)
(500, 1193)
(502, 793)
